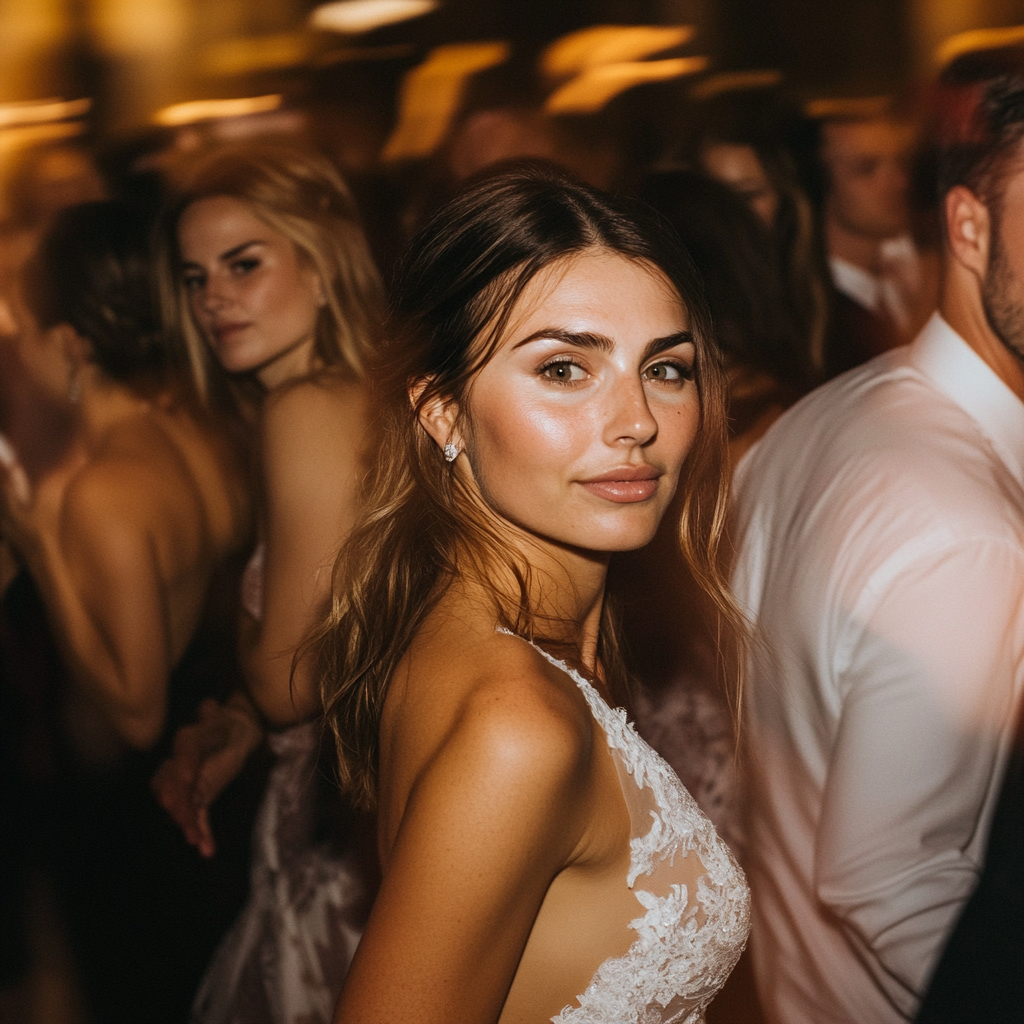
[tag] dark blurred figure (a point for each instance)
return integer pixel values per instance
(979, 976)
(44, 180)
(681, 708)
(755, 325)
(883, 287)
(123, 540)
(739, 142)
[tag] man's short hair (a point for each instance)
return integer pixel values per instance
(980, 121)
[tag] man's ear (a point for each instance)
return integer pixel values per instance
(439, 416)
(968, 229)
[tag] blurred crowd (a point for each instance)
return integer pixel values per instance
(178, 481)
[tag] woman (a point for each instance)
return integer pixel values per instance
(123, 540)
(270, 284)
(547, 381)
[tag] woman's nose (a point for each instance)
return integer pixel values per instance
(632, 421)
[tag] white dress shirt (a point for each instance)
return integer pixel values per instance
(895, 292)
(880, 538)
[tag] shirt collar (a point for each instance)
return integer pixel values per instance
(856, 283)
(966, 379)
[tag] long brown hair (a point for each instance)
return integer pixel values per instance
(300, 194)
(421, 528)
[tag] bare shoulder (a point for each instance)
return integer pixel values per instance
(491, 710)
(111, 504)
(325, 403)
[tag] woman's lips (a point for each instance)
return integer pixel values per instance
(223, 331)
(625, 484)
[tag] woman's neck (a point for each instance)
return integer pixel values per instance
(565, 589)
(106, 403)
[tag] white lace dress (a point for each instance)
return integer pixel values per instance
(285, 958)
(693, 901)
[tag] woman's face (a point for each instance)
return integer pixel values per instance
(255, 301)
(741, 169)
(578, 426)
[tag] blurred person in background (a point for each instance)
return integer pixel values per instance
(273, 292)
(880, 555)
(123, 540)
(884, 287)
(739, 142)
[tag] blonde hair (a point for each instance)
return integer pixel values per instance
(301, 195)
(420, 527)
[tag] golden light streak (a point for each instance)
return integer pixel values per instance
(864, 108)
(432, 93)
(735, 81)
(210, 110)
(258, 53)
(13, 139)
(589, 92)
(977, 39)
(357, 16)
(609, 44)
(42, 111)
(138, 26)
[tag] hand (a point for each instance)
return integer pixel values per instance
(15, 489)
(207, 756)
(29, 513)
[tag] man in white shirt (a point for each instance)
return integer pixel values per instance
(880, 555)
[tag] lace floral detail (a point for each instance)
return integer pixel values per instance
(689, 940)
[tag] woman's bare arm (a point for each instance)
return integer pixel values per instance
(490, 820)
(312, 438)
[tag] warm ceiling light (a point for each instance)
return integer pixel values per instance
(610, 44)
(857, 108)
(735, 81)
(432, 94)
(258, 53)
(589, 92)
(978, 39)
(210, 110)
(354, 16)
(42, 111)
(21, 136)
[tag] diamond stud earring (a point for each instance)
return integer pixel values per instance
(451, 452)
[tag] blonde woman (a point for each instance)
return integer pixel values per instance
(272, 289)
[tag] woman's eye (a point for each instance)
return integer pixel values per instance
(192, 282)
(669, 372)
(242, 267)
(563, 372)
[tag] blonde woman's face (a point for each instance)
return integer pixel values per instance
(254, 300)
(578, 427)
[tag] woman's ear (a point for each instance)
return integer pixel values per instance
(439, 416)
(76, 349)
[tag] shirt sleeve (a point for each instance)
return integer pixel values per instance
(928, 697)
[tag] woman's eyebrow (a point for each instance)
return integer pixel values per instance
(224, 256)
(581, 339)
(587, 339)
(238, 249)
(669, 341)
